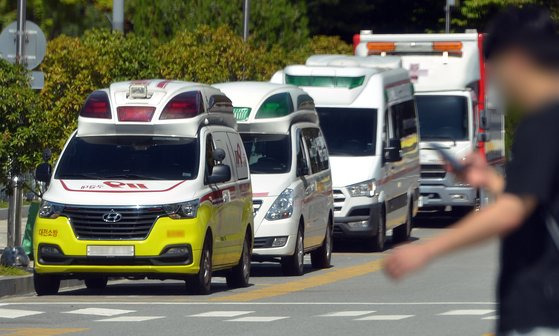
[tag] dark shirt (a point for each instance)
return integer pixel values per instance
(529, 281)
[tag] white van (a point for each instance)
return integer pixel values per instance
(367, 112)
(153, 184)
(288, 159)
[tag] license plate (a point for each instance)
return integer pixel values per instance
(110, 251)
(420, 201)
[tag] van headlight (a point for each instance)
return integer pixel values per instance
(282, 207)
(182, 210)
(50, 210)
(365, 188)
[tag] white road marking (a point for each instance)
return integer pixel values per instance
(15, 313)
(131, 319)
(490, 318)
(259, 319)
(348, 313)
(100, 311)
(468, 312)
(384, 318)
(222, 313)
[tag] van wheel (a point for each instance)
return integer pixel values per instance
(402, 233)
(378, 240)
(46, 284)
(322, 257)
(294, 264)
(239, 276)
(96, 283)
(201, 283)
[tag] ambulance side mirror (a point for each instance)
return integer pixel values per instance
(43, 172)
(220, 173)
(392, 152)
(218, 154)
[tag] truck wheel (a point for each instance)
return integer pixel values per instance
(239, 276)
(402, 233)
(294, 265)
(96, 283)
(321, 257)
(377, 242)
(46, 284)
(201, 283)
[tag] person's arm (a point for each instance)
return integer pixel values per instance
(479, 174)
(505, 215)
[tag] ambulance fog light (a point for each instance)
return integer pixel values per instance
(358, 225)
(177, 251)
(50, 251)
(279, 242)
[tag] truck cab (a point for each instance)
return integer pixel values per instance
(154, 183)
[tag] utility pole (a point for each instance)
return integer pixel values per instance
(118, 15)
(447, 9)
(20, 43)
(246, 12)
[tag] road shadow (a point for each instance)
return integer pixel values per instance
(435, 220)
(271, 269)
(142, 288)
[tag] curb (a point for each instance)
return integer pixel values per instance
(21, 285)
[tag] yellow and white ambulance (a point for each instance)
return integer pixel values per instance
(153, 184)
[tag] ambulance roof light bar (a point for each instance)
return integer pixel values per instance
(97, 105)
(386, 47)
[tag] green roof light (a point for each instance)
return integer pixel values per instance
(241, 113)
(326, 81)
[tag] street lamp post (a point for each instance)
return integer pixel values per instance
(246, 14)
(118, 15)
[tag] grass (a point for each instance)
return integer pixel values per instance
(4, 204)
(12, 271)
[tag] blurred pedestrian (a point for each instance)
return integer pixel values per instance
(522, 49)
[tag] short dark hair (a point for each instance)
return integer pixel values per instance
(530, 29)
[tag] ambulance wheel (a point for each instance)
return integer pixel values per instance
(46, 284)
(201, 283)
(402, 233)
(322, 257)
(294, 264)
(96, 284)
(239, 276)
(376, 243)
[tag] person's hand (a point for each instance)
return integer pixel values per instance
(406, 259)
(477, 172)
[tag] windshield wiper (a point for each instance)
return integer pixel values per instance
(132, 176)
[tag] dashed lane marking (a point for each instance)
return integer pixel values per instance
(16, 313)
(222, 313)
(100, 311)
(384, 318)
(468, 312)
(131, 319)
(39, 331)
(490, 318)
(259, 319)
(348, 313)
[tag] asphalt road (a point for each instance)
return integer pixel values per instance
(453, 297)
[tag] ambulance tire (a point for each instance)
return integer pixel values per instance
(322, 257)
(96, 284)
(239, 276)
(201, 283)
(294, 265)
(46, 284)
(402, 233)
(377, 242)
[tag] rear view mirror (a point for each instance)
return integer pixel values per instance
(392, 152)
(220, 173)
(43, 172)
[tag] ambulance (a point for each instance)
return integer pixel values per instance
(292, 183)
(153, 184)
(458, 108)
(367, 112)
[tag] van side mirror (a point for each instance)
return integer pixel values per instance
(392, 151)
(43, 172)
(220, 173)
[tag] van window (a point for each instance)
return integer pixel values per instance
(278, 105)
(129, 158)
(443, 117)
(220, 140)
(302, 156)
(349, 131)
(404, 123)
(240, 159)
(268, 153)
(318, 154)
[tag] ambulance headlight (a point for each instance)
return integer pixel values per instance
(365, 188)
(182, 210)
(282, 206)
(50, 210)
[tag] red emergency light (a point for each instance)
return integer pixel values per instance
(135, 113)
(182, 106)
(97, 106)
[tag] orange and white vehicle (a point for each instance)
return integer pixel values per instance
(456, 106)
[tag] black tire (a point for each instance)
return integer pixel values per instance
(377, 242)
(402, 233)
(294, 264)
(322, 257)
(239, 276)
(201, 283)
(46, 284)
(96, 284)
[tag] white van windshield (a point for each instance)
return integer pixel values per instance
(349, 131)
(268, 153)
(442, 117)
(129, 158)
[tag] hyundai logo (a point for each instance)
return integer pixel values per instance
(112, 217)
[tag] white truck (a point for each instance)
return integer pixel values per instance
(455, 106)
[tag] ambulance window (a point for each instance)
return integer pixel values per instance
(318, 154)
(210, 162)
(305, 102)
(301, 156)
(268, 153)
(404, 123)
(278, 105)
(443, 118)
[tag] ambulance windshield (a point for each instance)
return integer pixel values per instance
(268, 153)
(442, 118)
(129, 158)
(349, 131)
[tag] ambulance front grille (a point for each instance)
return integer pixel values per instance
(98, 223)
